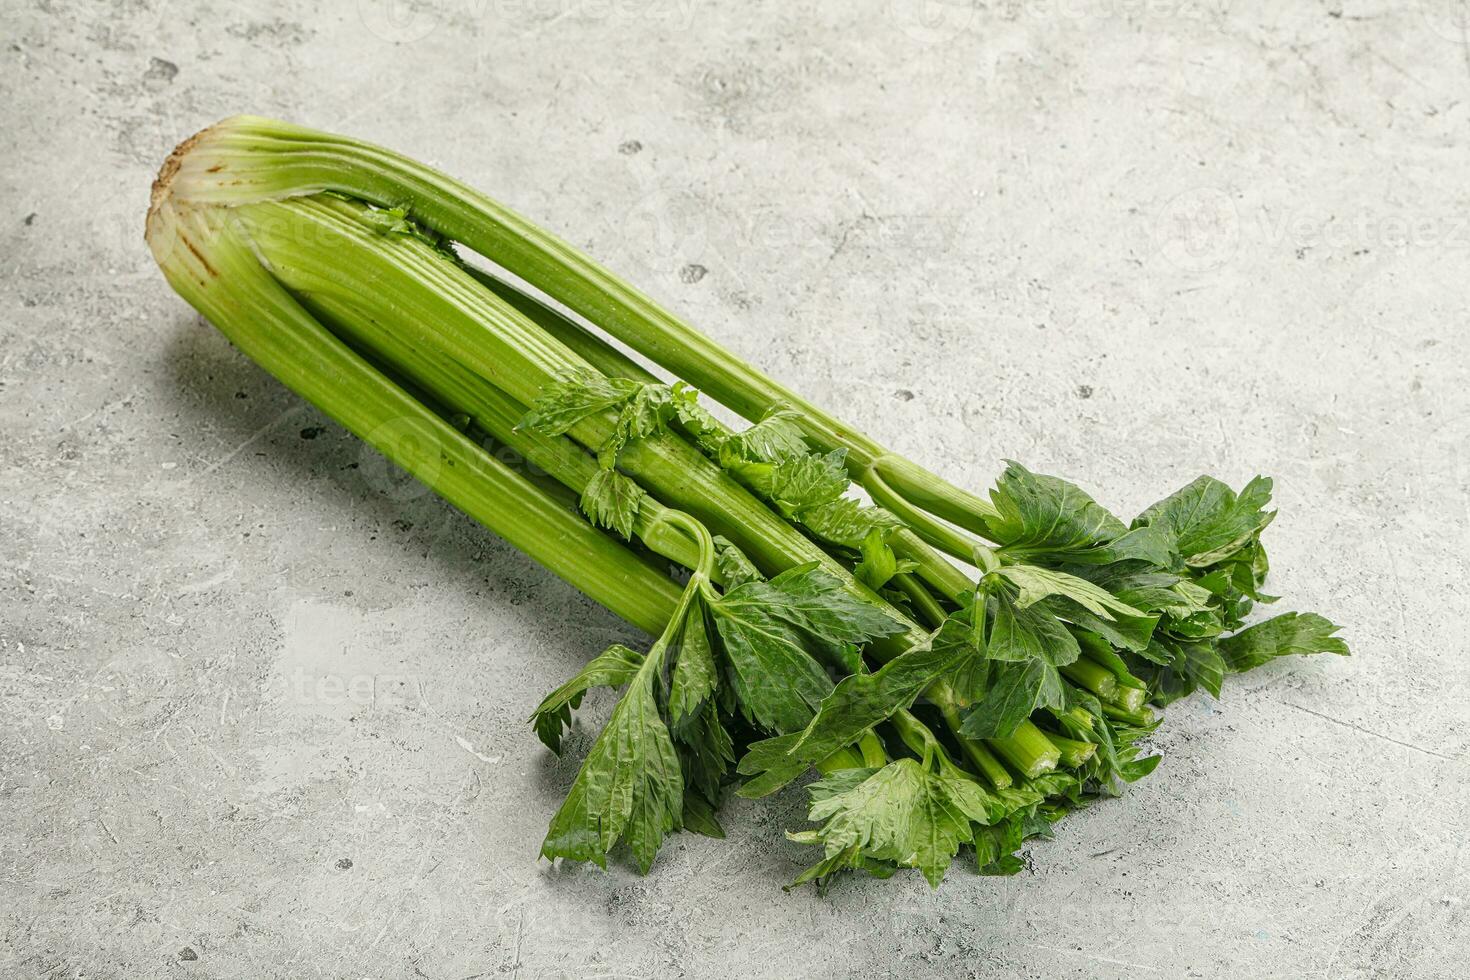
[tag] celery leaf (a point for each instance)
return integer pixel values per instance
(769, 630)
(904, 813)
(1023, 633)
(1191, 666)
(845, 521)
(1281, 636)
(1034, 583)
(862, 700)
(1209, 521)
(574, 396)
(795, 482)
(1015, 690)
(630, 787)
(614, 667)
(1045, 513)
(775, 437)
(705, 750)
(735, 568)
(769, 765)
(611, 500)
(694, 675)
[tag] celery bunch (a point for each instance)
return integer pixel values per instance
(960, 670)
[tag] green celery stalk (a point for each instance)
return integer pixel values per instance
(1074, 753)
(1092, 676)
(933, 568)
(1029, 751)
(497, 414)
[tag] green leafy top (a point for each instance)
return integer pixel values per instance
(775, 437)
(770, 457)
(757, 649)
(809, 489)
(612, 500)
(1033, 614)
(629, 788)
(614, 667)
(858, 702)
(1281, 636)
(1213, 581)
(918, 812)
(1043, 512)
(735, 568)
(1156, 600)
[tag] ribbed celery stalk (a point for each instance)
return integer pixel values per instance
(949, 582)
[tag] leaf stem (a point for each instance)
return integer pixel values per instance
(1141, 718)
(980, 757)
(1127, 698)
(923, 601)
(1091, 676)
(931, 531)
(921, 488)
(843, 758)
(1074, 753)
(871, 747)
(699, 533)
(1028, 751)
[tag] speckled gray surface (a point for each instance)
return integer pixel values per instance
(263, 704)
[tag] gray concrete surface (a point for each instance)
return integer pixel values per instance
(263, 705)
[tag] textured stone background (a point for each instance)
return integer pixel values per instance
(263, 705)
